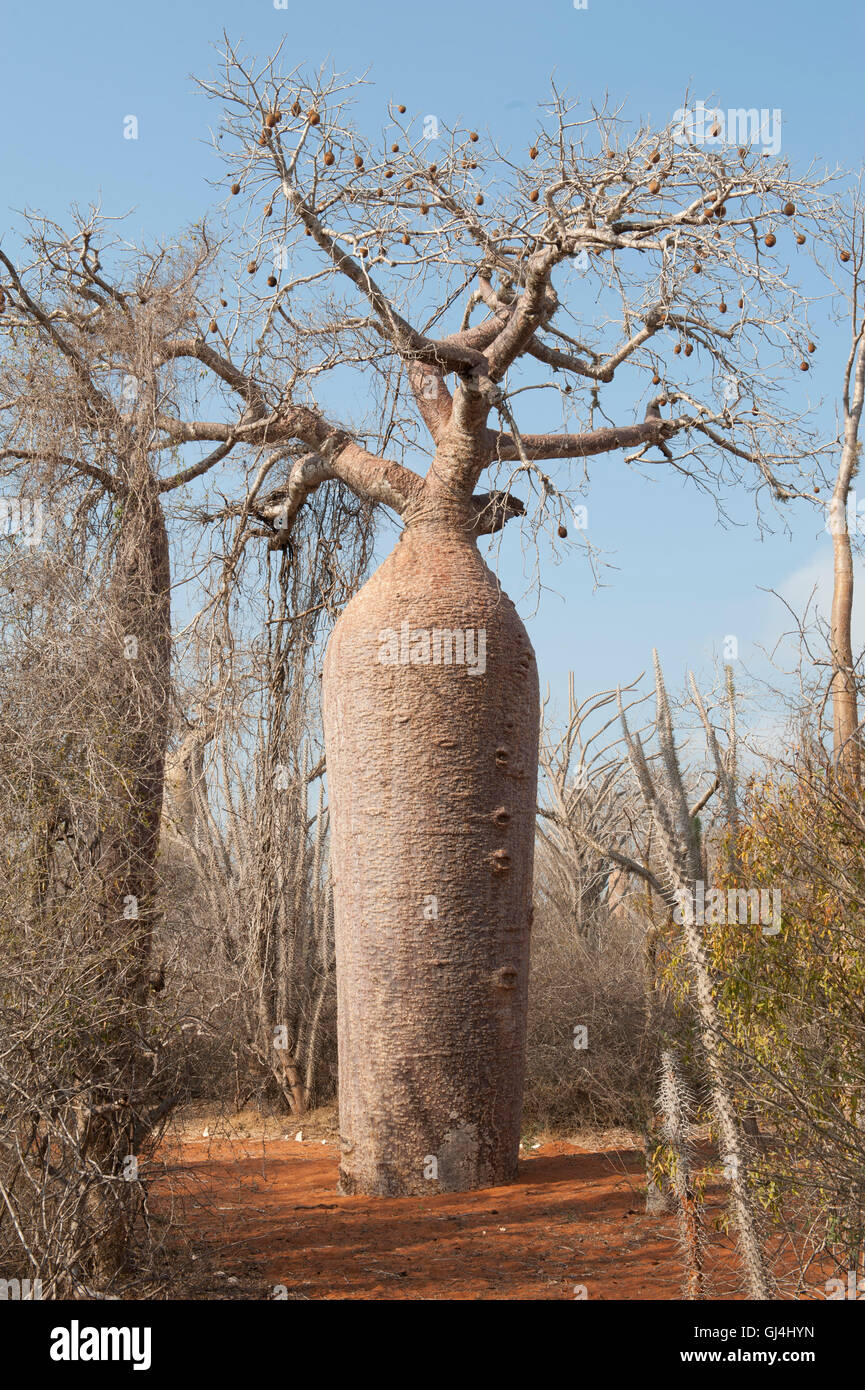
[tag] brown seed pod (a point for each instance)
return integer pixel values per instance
(224, 303)
(211, 327)
(329, 158)
(424, 207)
(312, 116)
(295, 108)
(268, 211)
(789, 209)
(388, 173)
(741, 303)
(800, 239)
(473, 136)
(252, 267)
(270, 119)
(721, 210)
(722, 308)
(262, 139)
(845, 256)
(656, 380)
(654, 186)
(804, 366)
(812, 347)
(433, 170)
(655, 157)
(363, 251)
(271, 280)
(770, 239)
(677, 349)
(742, 151)
(689, 348)
(563, 533)
(235, 188)
(379, 192)
(479, 199)
(394, 149)
(754, 410)
(358, 162)
(401, 110)
(533, 152)
(406, 239)
(697, 268)
(533, 196)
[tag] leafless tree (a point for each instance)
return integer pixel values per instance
(248, 791)
(586, 809)
(444, 273)
(92, 373)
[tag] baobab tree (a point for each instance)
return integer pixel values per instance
(455, 278)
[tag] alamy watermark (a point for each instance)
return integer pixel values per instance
(22, 517)
(738, 125)
(77, 1343)
(20, 1290)
(837, 1289)
(717, 906)
(851, 519)
(437, 646)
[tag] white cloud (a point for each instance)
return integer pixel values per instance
(808, 591)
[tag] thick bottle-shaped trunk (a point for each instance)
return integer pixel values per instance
(432, 768)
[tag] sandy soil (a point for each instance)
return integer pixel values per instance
(260, 1217)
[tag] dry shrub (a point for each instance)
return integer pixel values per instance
(84, 1071)
(597, 982)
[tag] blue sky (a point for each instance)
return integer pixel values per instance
(71, 73)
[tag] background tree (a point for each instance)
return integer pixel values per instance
(848, 248)
(594, 940)
(87, 1070)
(246, 802)
(100, 361)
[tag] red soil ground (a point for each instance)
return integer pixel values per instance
(261, 1218)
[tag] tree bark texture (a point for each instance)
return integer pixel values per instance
(433, 782)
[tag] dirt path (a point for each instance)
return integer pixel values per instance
(263, 1219)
